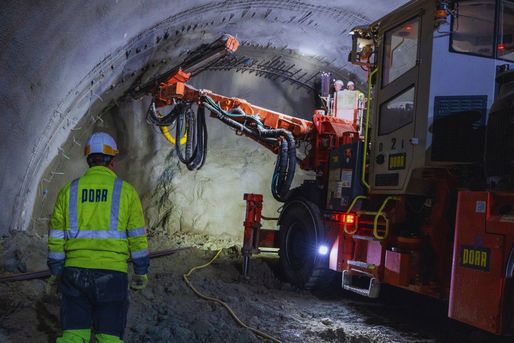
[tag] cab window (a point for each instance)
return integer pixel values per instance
(473, 28)
(400, 50)
(397, 112)
(505, 46)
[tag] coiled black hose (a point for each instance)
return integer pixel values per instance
(166, 120)
(196, 143)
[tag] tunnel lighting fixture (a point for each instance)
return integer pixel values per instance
(323, 250)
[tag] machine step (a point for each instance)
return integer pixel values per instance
(366, 238)
(361, 291)
(361, 264)
(373, 290)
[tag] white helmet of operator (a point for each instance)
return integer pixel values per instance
(338, 85)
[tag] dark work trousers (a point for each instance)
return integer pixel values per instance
(94, 298)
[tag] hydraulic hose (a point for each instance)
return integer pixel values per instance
(185, 119)
(154, 118)
(280, 170)
(286, 156)
(192, 130)
(167, 134)
(199, 162)
(164, 121)
(196, 143)
(286, 162)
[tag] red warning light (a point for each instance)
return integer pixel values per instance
(349, 218)
(501, 47)
(408, 27)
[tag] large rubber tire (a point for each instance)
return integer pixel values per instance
(301, 233)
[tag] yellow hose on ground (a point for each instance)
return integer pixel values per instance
(203, 296)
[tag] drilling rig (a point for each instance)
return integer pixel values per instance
(417, 192)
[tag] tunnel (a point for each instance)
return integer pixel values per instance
(82, 71)
(69, 68)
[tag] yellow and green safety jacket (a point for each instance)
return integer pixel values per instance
(98, 223)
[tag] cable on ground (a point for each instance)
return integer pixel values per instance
(203, 296)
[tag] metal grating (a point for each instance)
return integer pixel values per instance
(458, 131)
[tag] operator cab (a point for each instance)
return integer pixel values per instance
(433, 66)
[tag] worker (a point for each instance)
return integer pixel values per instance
(347, 104)
(338, 85)
(97, 223)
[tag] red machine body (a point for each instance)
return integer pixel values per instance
(483, 261)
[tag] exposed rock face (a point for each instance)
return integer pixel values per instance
(176, 200)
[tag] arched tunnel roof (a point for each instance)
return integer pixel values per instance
(58, 58)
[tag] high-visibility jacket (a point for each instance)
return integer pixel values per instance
(98, 223)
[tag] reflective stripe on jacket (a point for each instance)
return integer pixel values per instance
(98, 223)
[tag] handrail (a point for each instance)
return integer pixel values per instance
(380, 213)
(365, 153)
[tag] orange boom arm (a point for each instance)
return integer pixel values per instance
(178, 90)
(322, 132)
(276, 131)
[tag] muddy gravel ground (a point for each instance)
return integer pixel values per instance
(168, 311)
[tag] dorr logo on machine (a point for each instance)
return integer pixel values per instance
(476, 258)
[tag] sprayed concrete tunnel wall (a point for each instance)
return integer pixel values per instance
(175, 199)
(67, 66)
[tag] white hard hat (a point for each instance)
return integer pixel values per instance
(339, 82)
(350, 83)
(101, 143)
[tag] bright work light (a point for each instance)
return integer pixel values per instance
(323, 250)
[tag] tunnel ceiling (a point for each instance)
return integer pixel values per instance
(61, 58)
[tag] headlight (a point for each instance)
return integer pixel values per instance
(323, 250)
